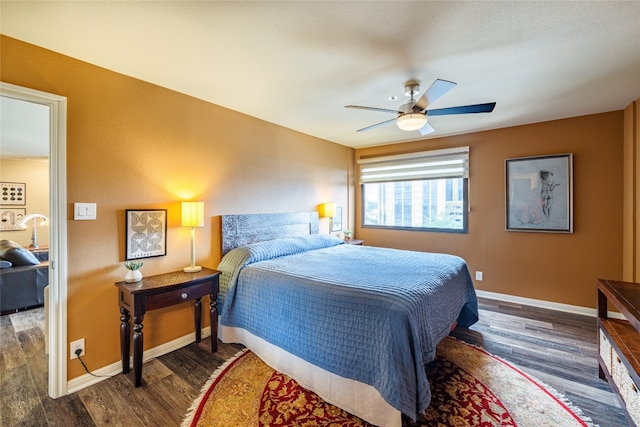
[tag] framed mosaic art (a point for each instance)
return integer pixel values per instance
(146, 233)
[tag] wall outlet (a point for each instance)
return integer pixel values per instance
(75, 345)
(479, 276)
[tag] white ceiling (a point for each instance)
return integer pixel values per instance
(298, 63)
(24, 129)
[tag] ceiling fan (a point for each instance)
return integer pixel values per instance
(413, 115)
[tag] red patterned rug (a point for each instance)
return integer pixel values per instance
(469, 386)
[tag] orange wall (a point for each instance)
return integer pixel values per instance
(133, 145)
(560, 268)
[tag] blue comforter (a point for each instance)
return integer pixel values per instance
(370, 314)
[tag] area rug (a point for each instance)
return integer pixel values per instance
(469, 386)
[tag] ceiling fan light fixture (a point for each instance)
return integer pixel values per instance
(412, 121)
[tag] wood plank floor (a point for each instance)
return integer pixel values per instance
(557, 348)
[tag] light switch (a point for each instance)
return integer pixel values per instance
(84, 211)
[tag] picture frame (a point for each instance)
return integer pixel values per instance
(336, 221)
(146, 233)
(539, 193)
(10, 217)
(13, 193)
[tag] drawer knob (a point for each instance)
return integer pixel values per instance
(184, 295)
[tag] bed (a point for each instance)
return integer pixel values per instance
(354, 324)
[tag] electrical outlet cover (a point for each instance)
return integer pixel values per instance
(77, 344)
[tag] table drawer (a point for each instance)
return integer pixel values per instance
(176, 296)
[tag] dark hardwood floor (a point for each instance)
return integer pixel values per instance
(557, 348)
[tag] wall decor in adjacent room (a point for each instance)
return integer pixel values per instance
(539, 193)
(13, 193)
(10, 217)
(146, 233)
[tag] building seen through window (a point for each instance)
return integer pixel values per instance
(425, 190)
(426, 204)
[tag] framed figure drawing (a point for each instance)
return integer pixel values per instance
(146, 233)
(539, 193)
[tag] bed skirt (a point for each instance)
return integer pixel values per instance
(357, 398)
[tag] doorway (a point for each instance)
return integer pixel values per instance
(57, 291)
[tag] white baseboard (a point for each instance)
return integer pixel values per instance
(105, 372)
(567, 308)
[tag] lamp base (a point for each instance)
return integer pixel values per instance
(192, 269)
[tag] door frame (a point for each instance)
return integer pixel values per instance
(57, 299)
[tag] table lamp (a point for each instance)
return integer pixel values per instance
(327, 210)
(193, 216)
(34, 234)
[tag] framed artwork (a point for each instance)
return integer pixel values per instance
(539, 193)
(13, 193)
(10, 217)
(336, 221)
(146, 233)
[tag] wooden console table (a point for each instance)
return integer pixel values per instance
(159, 291)
(619, 343)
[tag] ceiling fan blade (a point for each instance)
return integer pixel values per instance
(426, 129)
(376, 125)
(435, 91)
(465, 109)
(384, 110)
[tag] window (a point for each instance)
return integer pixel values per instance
(418, 191)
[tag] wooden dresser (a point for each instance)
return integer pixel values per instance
(619, 343)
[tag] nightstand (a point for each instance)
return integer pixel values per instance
(159, 291)
(354, 242)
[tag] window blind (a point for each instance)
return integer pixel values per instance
(446, 163)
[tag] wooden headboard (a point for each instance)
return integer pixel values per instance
(241, 230)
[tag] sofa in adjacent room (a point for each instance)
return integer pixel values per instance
(23, 277)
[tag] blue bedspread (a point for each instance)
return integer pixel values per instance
(370, 314)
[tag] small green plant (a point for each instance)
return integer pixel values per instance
(133, 265)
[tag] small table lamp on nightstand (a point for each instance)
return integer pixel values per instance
(193, 216)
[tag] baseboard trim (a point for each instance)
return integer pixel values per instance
(113, 369)
(557, 306)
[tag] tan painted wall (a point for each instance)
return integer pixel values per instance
(560, 268)
(35, 173)
(131, 145)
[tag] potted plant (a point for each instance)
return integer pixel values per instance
(347, 234)
(133, 274)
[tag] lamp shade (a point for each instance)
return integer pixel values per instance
(327, 210)
(193, 214)
(22, 223)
